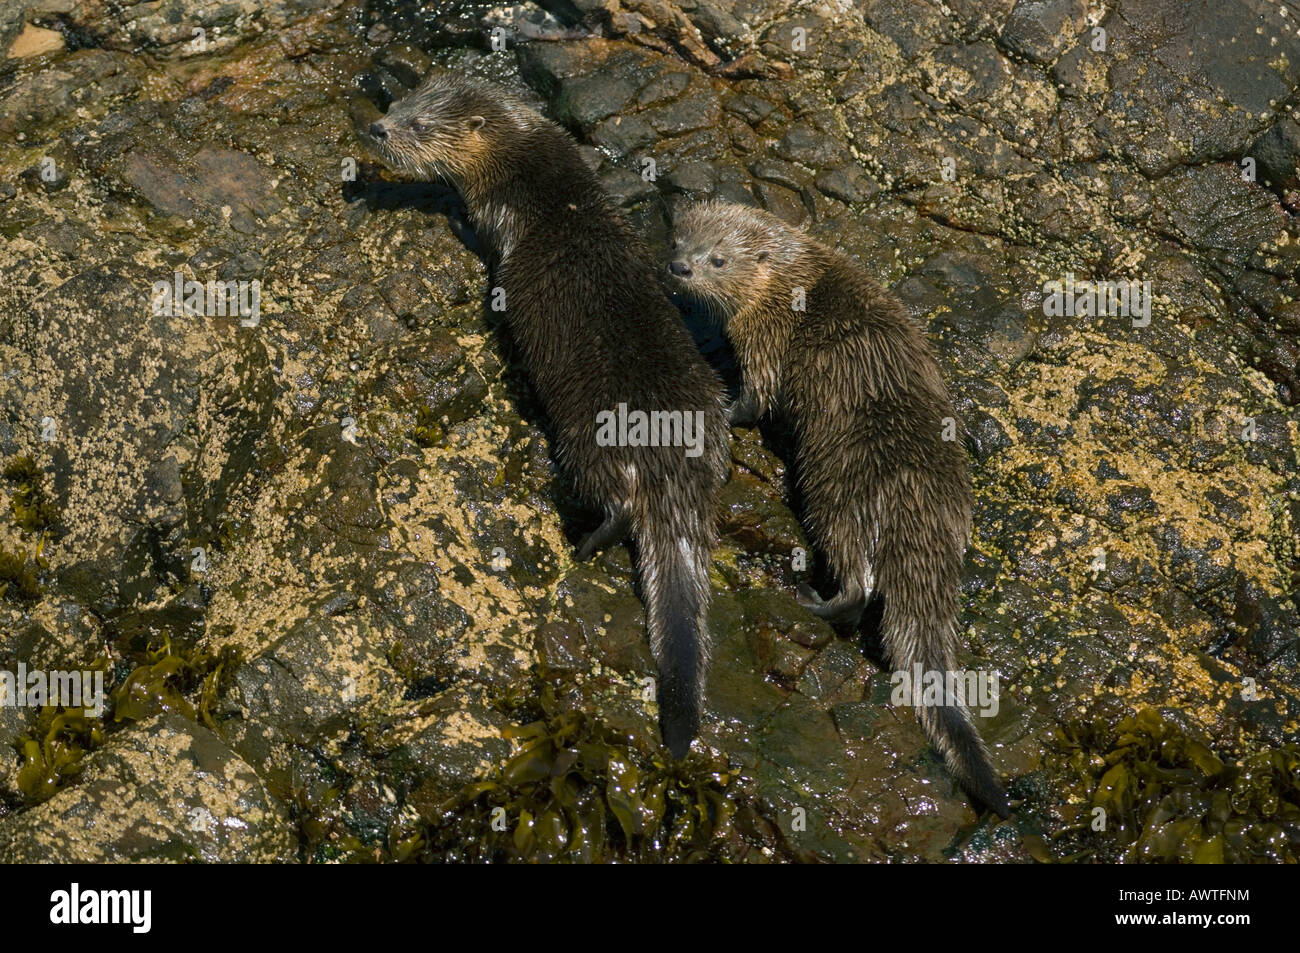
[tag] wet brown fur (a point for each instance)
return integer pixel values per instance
(587, 311)
(887, 499)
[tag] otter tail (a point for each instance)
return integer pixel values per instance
(675, 580)
(917, 574)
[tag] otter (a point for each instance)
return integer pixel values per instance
(887, 498)
(598, 335)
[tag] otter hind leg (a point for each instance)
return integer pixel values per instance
(613, 530)
(745, 410)
(845, 608)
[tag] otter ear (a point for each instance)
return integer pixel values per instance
(762, 256)
(476, 123)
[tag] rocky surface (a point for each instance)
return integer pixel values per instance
(323, 558)
(167, 791)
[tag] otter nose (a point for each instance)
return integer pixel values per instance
(377, 131)
(680, 269)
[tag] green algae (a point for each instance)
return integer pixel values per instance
(18, 574)
(428, 431)
(576, 791)
(1147, 788)
(167, 680)
(32, 512)
(53, 749)
(52, 752)
(31, 506)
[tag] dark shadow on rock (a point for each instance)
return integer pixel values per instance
(435, 198)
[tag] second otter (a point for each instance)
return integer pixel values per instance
(598, 335)
(888, 499)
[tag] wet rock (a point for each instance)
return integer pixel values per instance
(431, 373)
(407, 63)
(30, 107)
(1278, 153)
(757, 523)
(368, 479)
(14, 723)
(454, 740)
(168, 791)
(695, 109)
(914, 31)
(188, 28)
(1040, 29)
(306, 685)
(13, 20)
(218, 182)
(1159, 116)
(586, 100)
(106, 419)
(848, 184)
(807, 146)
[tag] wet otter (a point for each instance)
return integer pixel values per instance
(598, 336)
(888, 499)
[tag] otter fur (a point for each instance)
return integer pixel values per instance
(596, 330)
(887, 499)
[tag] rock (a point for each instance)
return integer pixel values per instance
(34, 41)
(218, 182)
(456, 740)
(1040, 30)
(168, 791)
(340, 531)
(188, 28)
(13, 725)
(1278, 154)
(584, 101)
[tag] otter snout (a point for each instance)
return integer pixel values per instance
(680, 268)
(378, 131)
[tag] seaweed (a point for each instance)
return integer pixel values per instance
(428, 431)
(18, 574)
(53, 749)
(165, 679)
(33, 512)
(577, 790)
(1167, 797)
(52, 752)
(32, 509)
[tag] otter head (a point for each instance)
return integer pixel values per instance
(726, 254)
(439, 129)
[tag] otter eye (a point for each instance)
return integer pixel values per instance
(717, 262)
(421, 125)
